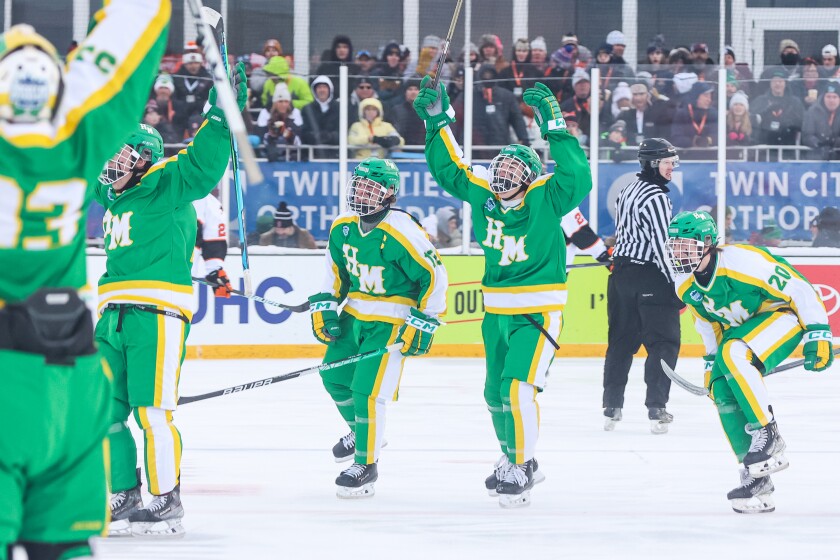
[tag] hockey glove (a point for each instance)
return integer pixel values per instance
(819, 351)
(606, 258)
(417, 333)
(323, 309)
(239, 83)
(433, 106)
(546, 109)
(220, 282)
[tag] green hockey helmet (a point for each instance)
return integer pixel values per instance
(370, 183)
(515, 167)
(691, 235)
(144, 143)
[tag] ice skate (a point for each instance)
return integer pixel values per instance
(346, 447)
(499, 470)
(356, 481)
(161, 518)
(613, 417)
(659, 420)
(766, 454)
(515, 488)
(124, 504)
(755, 495)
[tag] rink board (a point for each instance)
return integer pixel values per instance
(240, 328)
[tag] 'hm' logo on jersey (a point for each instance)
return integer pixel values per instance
(118, 227)
(512, 248)
(370, 277)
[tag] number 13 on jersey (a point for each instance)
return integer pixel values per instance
(43, 219)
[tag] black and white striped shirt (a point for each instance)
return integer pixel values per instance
(642, 215)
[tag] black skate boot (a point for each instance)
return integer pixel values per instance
(613, 416)
(515, 488)
(356, 481)
(767, 451)
(161, 518)
(659, 420)
(345, 448)
(123, 504)
(499, 470)
(755, 495)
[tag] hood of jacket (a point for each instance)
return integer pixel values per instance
(338, 40)
(323, 80)
(277, 65)
(370, 102)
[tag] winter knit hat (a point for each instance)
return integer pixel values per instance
(283, 216)
(538, 44)
(788, 43)
(281, 93)
(616, 37)
(165, 81)
(569, 39)
(622, 91)
(684, 80)
(580, 75)
(432, 41)
(740, 97)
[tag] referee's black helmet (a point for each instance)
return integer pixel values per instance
(655, 149)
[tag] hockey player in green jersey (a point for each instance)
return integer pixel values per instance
(751, 309)
(145, 302)
(515, 211)
(382, 266)
(58, 124)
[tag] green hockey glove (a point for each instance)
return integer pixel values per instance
(546, 109)
(239, 83)
(323, 310)
(417, 333)
(819, 350)
(432, 105)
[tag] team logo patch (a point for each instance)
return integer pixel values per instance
(695, 295)
(490, 205)
(345, 230)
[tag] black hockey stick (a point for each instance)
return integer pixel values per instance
(444, 51)
(543, 331)
(299, 308)
(702, 391)
(293, 375)
(589, 265)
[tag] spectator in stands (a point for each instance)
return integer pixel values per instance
(617, 41)
(365, 89)
(614, 139)
(539, 56)
(258, 77)
(682, 84)
(789, 58)
(821, 127)
(456, 86)
(340, 54)
(829, 68)
(741, 70)
(495, 112)
(272, 47)
(370, 129)
(579, 103)
(404, 117)
(740, 125)
(695, 122)
(286, 233)
(779, 114)
(810, 87)
(826, 228)
(192, 87)
(474, 62)
(265, 222)
(443, 227)
(282, 126)
(573, 127)
(428, 59)
(769, 236)
(563, 65)
(366, 62)
(490, 52)
(152, 117)
(321, 118)
(389, 77)
(646, 118)
(277, 71)
(701, 63)
(655, 55)
(162, 93)
(520, 75)
(621, 97)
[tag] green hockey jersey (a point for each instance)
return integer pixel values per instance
(48, 169)
(524, 247)
(149, 229)
(747, 281)
(385, 272)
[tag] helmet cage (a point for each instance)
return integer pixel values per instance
(508, 173)
(30, 80)
(685, 254)
(122, 164)
(364, 195)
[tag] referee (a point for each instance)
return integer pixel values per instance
(642, 306)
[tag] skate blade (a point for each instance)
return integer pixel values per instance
(768, 467)
(609, 424)
(119, 528)
(511, 501)
(364, 491)
(538, 477)
(657, 427)
(763, 503)
(170, 528)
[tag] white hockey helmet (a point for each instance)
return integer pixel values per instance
(31, 79)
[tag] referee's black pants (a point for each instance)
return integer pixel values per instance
(642, 309)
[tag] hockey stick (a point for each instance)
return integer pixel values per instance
(543, 331)
(214, 20)
(702, 391)
(294, 374)
(444, 51)
(299, 308)
(589, 265)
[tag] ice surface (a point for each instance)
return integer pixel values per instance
(258, 475)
